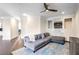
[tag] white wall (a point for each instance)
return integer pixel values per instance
(43, 24)
(14, 27)
(30, 25)
(77, 23)
(10, 28)
(6, 28)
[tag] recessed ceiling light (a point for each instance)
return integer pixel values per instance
(24, 14)
(1, 17)
(62, 12)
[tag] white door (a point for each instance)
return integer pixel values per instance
(68, 29)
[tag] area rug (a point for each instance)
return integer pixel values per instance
(50, 49)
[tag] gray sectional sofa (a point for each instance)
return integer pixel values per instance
(41, 41)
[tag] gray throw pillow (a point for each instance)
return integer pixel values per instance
(43, 36)
(36, 37)
(46, 34)
(39, 36)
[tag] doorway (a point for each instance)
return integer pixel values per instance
(68, 27)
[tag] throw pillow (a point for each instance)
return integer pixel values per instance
(46, 34)
(32, 38)
(43, 36)
(36, 37)
(39, 36)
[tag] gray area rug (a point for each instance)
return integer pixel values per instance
(50, 49)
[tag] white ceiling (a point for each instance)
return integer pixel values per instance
(67, 8)
(17, 9)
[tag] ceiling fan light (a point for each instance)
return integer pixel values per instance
(46, 10)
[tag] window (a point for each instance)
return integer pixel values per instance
(49, 24)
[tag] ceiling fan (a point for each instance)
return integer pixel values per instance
(47, 9)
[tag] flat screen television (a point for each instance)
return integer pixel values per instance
(57, 25)
(0, 29)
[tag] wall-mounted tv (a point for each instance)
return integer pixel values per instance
(0, 29)
(57, 25)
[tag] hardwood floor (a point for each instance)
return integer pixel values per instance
(6, 46)
(16, 43)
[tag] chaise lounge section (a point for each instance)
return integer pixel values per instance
(58, 39)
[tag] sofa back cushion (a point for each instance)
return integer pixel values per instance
(38, 36)
(46, 34)
(41, 36)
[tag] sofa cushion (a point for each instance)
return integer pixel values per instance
(46, 34)
(43, 36)
(38, 36)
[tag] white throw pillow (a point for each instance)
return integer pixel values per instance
(32, 38)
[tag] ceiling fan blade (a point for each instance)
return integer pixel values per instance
(42, 11)
(53, 10)
(47, 9)
(46, 6)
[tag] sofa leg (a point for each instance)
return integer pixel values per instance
(25, 46)
(33, 51)
(62, 43)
